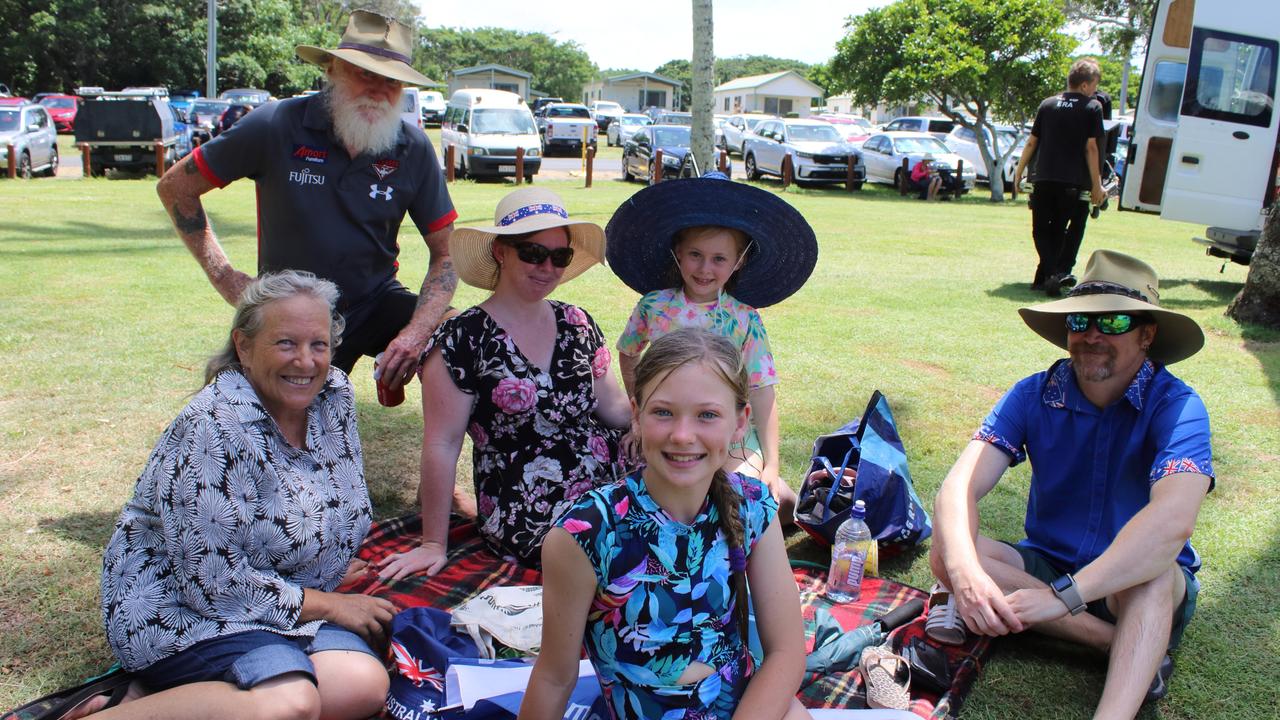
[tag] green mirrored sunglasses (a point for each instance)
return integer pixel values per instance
(1108, 323)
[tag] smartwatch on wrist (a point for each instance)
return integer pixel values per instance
(1065, 588)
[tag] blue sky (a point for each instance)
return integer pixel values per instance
(643, 34)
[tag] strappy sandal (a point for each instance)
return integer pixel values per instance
(114, 684)
(943, 623)
(880, 668)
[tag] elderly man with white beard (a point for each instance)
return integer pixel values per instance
(335, 174)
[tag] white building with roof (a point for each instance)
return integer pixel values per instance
(779, 93)
(491, 77)
(634, 91)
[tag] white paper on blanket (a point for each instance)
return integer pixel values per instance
(512, 615)
(470, 680)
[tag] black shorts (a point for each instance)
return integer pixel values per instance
(378, 326)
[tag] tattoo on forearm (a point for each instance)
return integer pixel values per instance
(443, 281)
(191, 222)
(190, 168)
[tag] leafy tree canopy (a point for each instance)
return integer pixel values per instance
(558, 68)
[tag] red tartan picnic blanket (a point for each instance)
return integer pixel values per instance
(473, 567)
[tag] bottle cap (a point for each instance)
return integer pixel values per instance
(860, 510)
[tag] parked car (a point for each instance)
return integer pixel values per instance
(605, 112)
(253, 97)
(626, 126)
(564, 126)
(883, 154)
(669, 117)
(182, 99)
(29, 128)
(964, 142)
(204, 116)
(818, 153)
(14, 100)
(485, 128)
(230, 117)
(411, 107)
(738, 127)
(854, 128)
(122, 129)
(432, 106)
(543, 102)
(62, 108)
(639, 151)
(182, 129)
(935, 126)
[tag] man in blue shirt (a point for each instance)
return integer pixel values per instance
(336, 173)
(1120, 462)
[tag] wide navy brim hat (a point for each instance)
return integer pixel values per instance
(641, 233)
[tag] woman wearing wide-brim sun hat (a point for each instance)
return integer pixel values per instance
(706, 252)
(1115, 283)
(372, 42)
(526, 377)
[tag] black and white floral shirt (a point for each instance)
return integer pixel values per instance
(229, 523)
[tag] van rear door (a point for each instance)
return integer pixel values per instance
(1205, 130)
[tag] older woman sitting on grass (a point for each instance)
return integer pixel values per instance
(217, 586)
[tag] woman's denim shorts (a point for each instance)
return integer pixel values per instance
(249, 658)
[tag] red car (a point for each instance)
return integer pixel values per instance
(63, 109)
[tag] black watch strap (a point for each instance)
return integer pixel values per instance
(1065, 588)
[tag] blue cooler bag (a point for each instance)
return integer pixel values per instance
(870, 444)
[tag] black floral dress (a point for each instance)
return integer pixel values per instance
(538, 443)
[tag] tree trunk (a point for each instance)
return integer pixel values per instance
(703, 73)
(1259, 300)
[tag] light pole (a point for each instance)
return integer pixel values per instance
(211, 53)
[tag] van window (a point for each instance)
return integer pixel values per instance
(1166, 90)
(1230, 77)
(941, 126)
(503, 121)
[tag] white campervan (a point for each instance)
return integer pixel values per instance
(1204, 146)
(410, 111)
(484, 127)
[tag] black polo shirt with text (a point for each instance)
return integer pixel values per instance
(1064, 123)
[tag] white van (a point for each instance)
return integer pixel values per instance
(1204, 146)
(410, 109)
(484, 127)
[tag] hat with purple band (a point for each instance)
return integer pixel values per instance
(528, 210)
(375, 43)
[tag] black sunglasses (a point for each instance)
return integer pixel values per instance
(1108, 324)
(535, 254)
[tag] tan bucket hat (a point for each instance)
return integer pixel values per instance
(375, 43)
(1114, 282)
(523, 211)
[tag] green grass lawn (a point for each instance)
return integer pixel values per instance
(107, 322)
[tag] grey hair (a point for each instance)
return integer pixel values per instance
(264, 290)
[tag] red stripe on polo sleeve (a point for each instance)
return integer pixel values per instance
(443, 222)
(206, 171)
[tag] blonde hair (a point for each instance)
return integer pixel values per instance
(720, 357)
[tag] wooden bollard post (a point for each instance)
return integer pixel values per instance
(657, 167)
(724, 161)
(86, 160)
(1013, 191)
(848, 172)
(159, 158)
(591, 162)
(959, 179)
(519, 165)
(788, 171)
(905, 178)
(448, 163)
(13, 161)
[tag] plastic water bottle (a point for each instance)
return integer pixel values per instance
(849, 556)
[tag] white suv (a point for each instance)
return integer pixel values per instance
(29, 128)
(605, 112)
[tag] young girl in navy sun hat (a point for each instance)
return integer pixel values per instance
(685, 245)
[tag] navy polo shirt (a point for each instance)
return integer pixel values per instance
(321, 210)
(1092, 469)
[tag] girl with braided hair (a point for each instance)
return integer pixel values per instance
(652, 573)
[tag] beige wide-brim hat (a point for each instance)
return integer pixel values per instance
(527, 210)
(375, 43)
(1114, 282)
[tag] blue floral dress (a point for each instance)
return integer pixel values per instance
(663, 600)
(537, 443)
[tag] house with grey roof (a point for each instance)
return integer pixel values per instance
(491, 77)
(779, 93)
(634, 91)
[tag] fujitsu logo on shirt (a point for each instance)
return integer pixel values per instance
(304, 177)
(310, 154)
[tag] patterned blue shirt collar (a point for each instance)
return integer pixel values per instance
(235, 388)
(1063, 377)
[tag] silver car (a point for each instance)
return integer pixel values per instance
(29, 128)
(624, 127)
(885, 152)
(817, 150)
